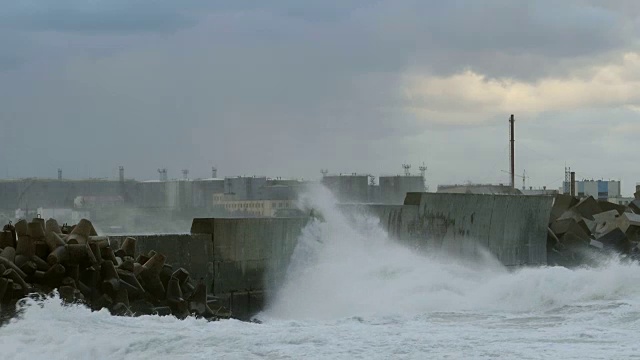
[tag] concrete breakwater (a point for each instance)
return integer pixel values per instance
(580, 228)
(512, 228)
(248, 257)
(39, 257)
(242, 260)
(239, 259)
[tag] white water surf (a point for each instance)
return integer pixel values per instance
(351, 292)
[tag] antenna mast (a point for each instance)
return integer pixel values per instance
(163, 174)
(406, 168)
(423, 174)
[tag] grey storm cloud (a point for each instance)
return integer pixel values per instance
(284, 88)
(96, 16)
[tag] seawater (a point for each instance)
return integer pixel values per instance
(353, 293)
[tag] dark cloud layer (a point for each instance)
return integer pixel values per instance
(285, 88)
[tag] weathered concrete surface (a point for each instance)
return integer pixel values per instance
(245, 250)
(194, 252)
(250, 256)
(513, 228)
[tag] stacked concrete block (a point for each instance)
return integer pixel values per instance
(580, 228)
(42, 257)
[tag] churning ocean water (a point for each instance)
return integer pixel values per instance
(352, 293)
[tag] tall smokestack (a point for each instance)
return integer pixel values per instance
(121, 173)
(513, 159)
(214, 172)
(573, 183)
(59, 174)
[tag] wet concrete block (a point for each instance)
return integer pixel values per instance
(128, 248)
(596, 244)
(616, 240)
(607, 206)
(25, 249)
(8, 253)
(198, 302)
(41, 264)
(561, 203)
(51, 226)
(152, 284)
(53, 277)
(587, 207)
(10, 265)
(81, 232)
(110, 278)
(17, 279)
(570, 239)
(609, 220)
(58, 256)
(29, 268)
(4, 284)
(155, 263)
(6, 239)
(633, 219)
(21, 227)
(54, 241)
(35, 230)
(561, 227)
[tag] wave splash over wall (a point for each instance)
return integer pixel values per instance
(346, 265)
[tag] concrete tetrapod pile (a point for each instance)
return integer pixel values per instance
(39, 257)
(580, 228)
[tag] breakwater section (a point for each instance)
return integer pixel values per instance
(242, 259)
(239, 259)
(512, 228)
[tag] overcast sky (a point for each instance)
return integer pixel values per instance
(291, 87)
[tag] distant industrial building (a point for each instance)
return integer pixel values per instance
(598, 189)
(393, 189)
(244, 187)
(359, 188)
(348, 188)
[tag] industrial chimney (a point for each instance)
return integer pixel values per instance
(513, 159)
(214, 172)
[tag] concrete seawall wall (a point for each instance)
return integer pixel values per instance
(250, 257)
(513, 228)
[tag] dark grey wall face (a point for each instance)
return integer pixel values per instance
(285, 88)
